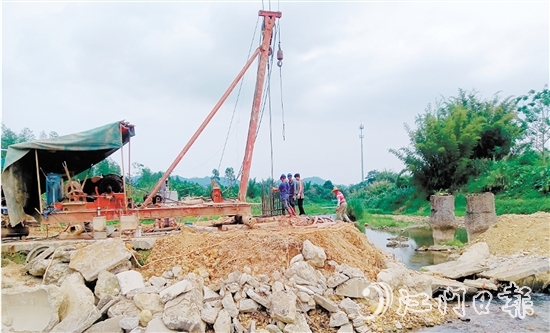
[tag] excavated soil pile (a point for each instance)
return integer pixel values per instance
(513, 234)
(263, 251)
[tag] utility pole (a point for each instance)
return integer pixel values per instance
(361, 137)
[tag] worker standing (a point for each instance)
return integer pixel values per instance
(342, 206)
(291, 191)
(299, 193)
(284, 193)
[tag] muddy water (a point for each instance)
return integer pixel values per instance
(496, 321)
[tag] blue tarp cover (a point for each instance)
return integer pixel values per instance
(80, 151)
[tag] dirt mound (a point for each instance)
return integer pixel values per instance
(513, 234)
(263, 251)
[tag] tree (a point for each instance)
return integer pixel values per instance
(448, 138)
(535, 108)
(230, 176)
(215, 175)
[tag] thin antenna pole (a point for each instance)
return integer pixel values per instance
(361, 136)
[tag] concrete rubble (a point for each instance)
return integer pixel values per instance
(123, 301)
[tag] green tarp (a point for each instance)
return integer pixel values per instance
(80, 151)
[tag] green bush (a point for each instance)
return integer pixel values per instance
(355, 209)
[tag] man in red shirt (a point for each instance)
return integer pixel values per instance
(342, 206)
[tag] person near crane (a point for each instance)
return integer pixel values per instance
(299, 192)
(341, 206)
(284, 190)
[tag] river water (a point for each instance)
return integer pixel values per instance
(495, 321)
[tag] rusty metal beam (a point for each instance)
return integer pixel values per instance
(209, 209)
(269, 22)
(200, 129)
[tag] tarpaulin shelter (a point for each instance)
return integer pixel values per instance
(80, 151)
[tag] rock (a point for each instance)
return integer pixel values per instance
(149, 302)
(144, 290)
(138, 329)
(210, 295)
(229, 305)
(296, 258)
(124, 308)
(248, 305)
(303, 297)
(43, 302)
(472, 261)
(107, 325)
(299, 326)
(168, 275)
(145, 317)
(278, 286)
(304, 271)
(57, 272)
(314, 255)
(145, 243)
(338, 319)
(78, 298)
(106, 284)
(209, 314)
(233, 287)
(99, 256)
(273, 329)
(481, 284)
(78, 321)
(129, 280)
(398, 276)
(352, 288)
(156, 325)
(237, 326)
(336, 279)
(264, 301)
(183, 313)
(223, 322)
(175, 290)
(347, 328)
(283, 306)
(349, 306)
(157, 282)
(129, 323)
(122, 267)
(326, 303)
(351, 272)
(176, 270)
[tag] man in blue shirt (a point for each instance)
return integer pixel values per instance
(284, 191)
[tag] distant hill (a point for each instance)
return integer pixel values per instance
(314, 180)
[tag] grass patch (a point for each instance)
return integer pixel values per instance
(16, 257)
(455, 242)
(142, 255)
(383, 221)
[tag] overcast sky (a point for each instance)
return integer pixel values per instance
(69, 67)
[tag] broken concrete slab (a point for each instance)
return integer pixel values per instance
(248, 305)
(129, 323)
(130, 280)
(175, 290)
(531, 272)
(106, 284)
(471, 262)
(107, 325)
(483, 284)
(264, 301)
(347, 328)
(43, 302)
(143, 243)
(77, 296)
(304, 270)
(100, 256)
(183, 313)
(314, 255)
(209, 314)
(326, 303)
(229, 305)
(156, 325)
(125, 308)
(223, 322)
(439, 283)
(353, 287)
(338, 319)
(149, 302)
(283, 306)
(349, 307)
(299, 325)
(397, 276)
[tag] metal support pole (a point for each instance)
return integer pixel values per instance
(38, 180)
(123, 178)
(200, 129)
(361, 137)
(269, 22)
